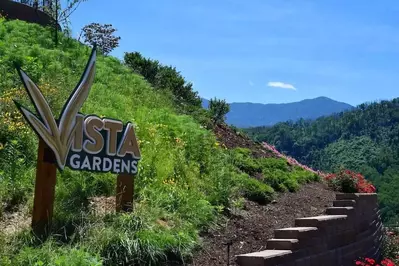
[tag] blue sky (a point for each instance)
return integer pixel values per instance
(265, 51)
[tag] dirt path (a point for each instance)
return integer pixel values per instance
(249, 231)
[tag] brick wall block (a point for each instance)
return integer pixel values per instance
(349, 230)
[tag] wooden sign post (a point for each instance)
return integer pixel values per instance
(46, 173)
(124, 193)
(46, 176)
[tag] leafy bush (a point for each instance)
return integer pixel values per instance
(165, 78)
(243, 159)
(347, 181)
(218, 109)
(102, 36)
(49, 254)
(256, 190)
(276, 172)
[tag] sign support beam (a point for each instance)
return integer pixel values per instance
(124, 193)
(46, 173)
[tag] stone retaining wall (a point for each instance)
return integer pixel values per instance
(349, 230)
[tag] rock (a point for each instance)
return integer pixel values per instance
(274, 201)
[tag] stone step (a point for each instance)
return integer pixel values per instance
(265, 257)
(295, 232)
(344, 203)
(282, 244)
(318, 220)
(340, 210)
(355, 196)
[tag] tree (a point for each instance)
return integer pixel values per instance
(54, 8)
(165, 78)
(102, 35)
(59, 13)
(27, 2)
(144, 66)
(218, 109)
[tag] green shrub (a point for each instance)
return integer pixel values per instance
(255, 190)
(291, 184)
(274, 163)
(243, 160)
(165, 78)
(218, 110)
(276, 171)
(50, 254)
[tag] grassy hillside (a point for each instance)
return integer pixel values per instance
(365, 140)
(186, 179)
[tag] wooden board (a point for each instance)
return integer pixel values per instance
(124, 193)
(46, 173)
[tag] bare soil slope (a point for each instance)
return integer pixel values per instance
(232, 139)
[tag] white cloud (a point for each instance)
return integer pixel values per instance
(281, 85)
(251, 83)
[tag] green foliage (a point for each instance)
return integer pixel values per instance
(351, 154)
(255, 190)
(364, 140)
(140, 238)
(244, 161)
(343, 183)
(102, 36)
(50, 254)
(218, 109)
(15, 176)
(165, 78)
(274, 172)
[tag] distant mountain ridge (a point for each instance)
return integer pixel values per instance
(248, 114)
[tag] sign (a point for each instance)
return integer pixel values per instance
(103, 145)
(82, 142)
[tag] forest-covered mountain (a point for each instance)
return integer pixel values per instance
(257, 114)
(365, 139)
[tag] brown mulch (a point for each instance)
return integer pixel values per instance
(12, 222)
(101, 206)
(250, 231)
(232, 139)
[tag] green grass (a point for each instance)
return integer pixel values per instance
(276, 173)
(185, 180)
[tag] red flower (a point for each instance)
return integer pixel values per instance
(387, 262)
